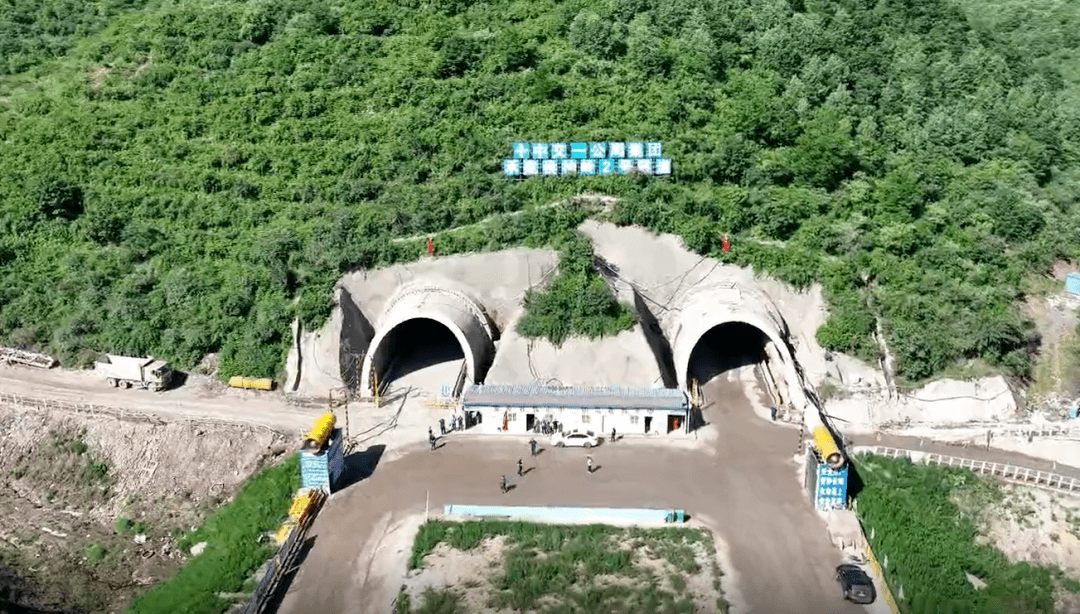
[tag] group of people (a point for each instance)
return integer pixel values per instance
(457, 423)
(532, 449)
(547, 427)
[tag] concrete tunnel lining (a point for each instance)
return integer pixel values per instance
(459, 313)
(705, 312)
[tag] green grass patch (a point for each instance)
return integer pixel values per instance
(94, 553)
(552, 568)
(921, 518)
(233, 551)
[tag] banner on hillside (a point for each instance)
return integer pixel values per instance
(608, 158)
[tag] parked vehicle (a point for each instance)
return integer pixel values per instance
(128, 371)
(575, 438)
(855, 585)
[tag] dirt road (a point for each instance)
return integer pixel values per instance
(746, 483)
(743, 479)
(198, 398)
(974, 452)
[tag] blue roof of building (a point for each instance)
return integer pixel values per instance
(603, 397)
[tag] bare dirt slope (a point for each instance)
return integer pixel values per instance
(71, 479)
(1057, 368)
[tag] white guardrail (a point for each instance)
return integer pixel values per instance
(1012, 473)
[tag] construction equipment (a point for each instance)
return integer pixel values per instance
(128, 371)
(319, 433)
(12, 356)
(252, 383)
(827, 448)
(284, 531)
(302, 504)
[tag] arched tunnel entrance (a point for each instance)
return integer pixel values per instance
(726, 346)
(733, 365)
(424, 339)
(421, 352)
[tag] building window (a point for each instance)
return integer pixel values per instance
(512, 418)
(584, 418)
(634, 419)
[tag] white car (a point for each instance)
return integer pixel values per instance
(582, 439)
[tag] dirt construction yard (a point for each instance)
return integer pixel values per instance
(738, 478)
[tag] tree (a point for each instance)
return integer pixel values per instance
(59, 199)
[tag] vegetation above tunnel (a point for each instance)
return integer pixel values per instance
(188, 177)
(576, 302)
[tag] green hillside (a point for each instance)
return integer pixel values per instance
(185, 177)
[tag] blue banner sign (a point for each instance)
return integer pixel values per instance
(831, 491)
(609, 158)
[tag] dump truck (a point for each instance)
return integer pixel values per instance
(128, 371)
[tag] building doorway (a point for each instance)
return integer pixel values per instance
(673, 422)
(530, 422)
(648, 424)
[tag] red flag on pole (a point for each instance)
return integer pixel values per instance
(430, 247)
(724, 245)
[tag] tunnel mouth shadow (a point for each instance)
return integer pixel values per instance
(360, 466)
(415, 345)
(726, 347)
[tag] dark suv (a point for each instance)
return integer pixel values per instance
(856, 586)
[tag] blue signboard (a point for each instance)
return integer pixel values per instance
(831, 491)
(581, 158)
(1072, 283)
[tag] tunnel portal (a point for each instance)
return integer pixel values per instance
(419, 345)
(724, 347)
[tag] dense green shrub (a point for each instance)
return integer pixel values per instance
(910, 515)
(177, 180)
(233, 550)
(577, 300)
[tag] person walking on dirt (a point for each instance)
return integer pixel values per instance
(431, 440)
(442, 426)
(503, 485)
(588, 463)
(613, 434)
(532, 446)
(430, 433)
(520, 471)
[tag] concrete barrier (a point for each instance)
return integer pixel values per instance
(564, 515)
